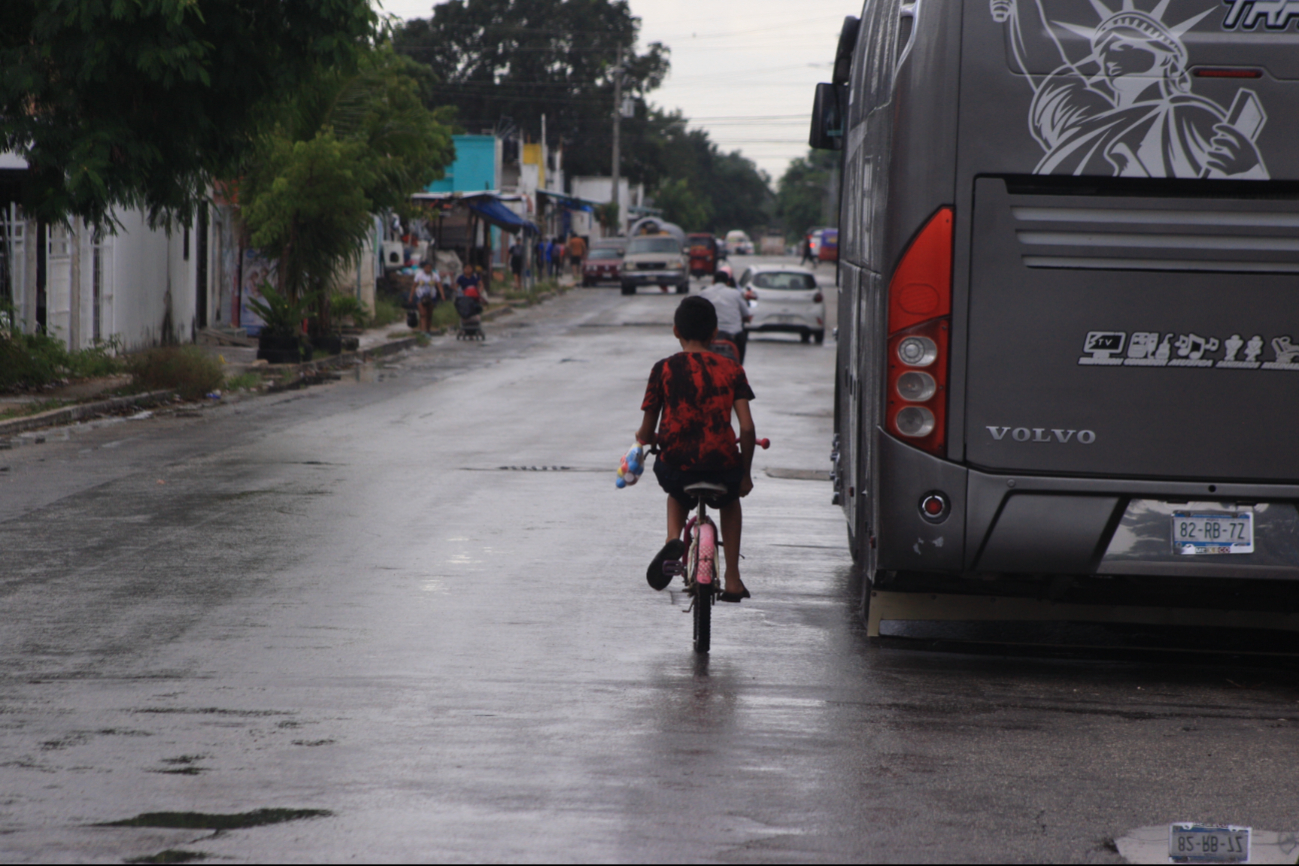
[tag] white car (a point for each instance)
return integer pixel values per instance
(738, 242)
(784, 299)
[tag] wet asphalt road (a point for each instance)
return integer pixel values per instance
(337, 599)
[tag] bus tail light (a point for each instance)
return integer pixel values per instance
(920, 309)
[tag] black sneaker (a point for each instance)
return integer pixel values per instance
(674, 549)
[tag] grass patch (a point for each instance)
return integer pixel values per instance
(30, 409)
(445, 316)
(344, 306)
(244, 381)
(386, 312)
(217, 821)
(187, 370)
(171, 855)
(36, 360)
(532, 295)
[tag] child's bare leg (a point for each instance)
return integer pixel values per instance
(732, 522)
(676, 518)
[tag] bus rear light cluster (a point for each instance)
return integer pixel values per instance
(920, 307)
(917, 385)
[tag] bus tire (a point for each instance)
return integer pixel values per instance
(683, 289)
(628, 289)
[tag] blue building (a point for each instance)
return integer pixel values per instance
(476, 168)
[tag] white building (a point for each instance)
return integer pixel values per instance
(631, 199)
(139, 286)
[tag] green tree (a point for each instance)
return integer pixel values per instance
(733, 192)
(143, 103)
(353, 142)
(681, 205)
(505, 63)
(801, 195)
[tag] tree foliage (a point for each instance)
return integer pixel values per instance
(682, 206)
(803, 191)
(353, 142)
(143, 103)
(506, 63)
(728, 190)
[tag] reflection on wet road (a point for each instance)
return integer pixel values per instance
(338, 600)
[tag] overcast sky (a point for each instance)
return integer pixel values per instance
(742, 69)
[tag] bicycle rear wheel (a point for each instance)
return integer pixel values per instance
(705, 583)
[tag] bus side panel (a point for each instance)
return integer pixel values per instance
(921, 179)
(922, 167)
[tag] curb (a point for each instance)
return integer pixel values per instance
(81, 411)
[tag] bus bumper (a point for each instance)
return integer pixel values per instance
(1015, 524)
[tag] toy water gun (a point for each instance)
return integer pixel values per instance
(632, 465)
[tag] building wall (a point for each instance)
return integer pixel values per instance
(476, 167)
(136, 286)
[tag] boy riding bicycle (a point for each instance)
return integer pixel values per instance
(688, 405)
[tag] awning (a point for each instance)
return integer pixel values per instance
(571, 202)
(500, 216)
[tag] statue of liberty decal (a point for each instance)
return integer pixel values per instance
(1126, 108)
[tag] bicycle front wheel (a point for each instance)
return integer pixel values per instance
(705, 583)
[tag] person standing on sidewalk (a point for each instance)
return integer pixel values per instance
(576, 255)
(516, 263)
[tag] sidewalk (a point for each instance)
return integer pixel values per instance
(237, 355)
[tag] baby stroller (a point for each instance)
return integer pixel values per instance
(470, 310)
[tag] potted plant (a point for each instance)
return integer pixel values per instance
(280, 339)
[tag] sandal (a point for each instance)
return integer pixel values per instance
(735, 597)
(674, 549)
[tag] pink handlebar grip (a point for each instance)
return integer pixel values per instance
(764, 443)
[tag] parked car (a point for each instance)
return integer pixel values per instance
(618, 243)
(654, 260)
(602, 265)
(784, 299)
(738, 242)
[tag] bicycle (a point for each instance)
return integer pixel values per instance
(699, 564)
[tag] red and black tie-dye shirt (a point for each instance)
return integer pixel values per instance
(696, 392)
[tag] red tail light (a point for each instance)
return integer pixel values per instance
(920, 309)
(818, 298)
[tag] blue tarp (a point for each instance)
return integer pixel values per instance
(569, 201)
(499, 215)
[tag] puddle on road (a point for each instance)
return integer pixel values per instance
(216, 820)
(171, 855)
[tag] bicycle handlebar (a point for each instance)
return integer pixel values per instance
(764, 443)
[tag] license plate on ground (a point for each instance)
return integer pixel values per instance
(1199, 533)
(1200, 843)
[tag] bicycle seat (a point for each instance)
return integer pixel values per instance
(705, 488)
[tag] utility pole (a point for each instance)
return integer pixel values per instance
(617, 131)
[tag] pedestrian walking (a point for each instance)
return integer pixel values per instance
(425, 292)
(468, 280)
(807, 251)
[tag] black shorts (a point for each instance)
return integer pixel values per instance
(675, 481)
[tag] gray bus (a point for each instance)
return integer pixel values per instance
(1069, 316)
